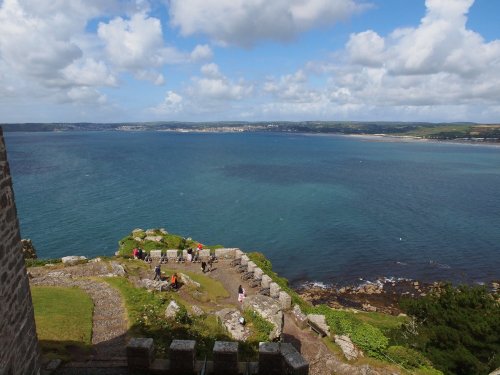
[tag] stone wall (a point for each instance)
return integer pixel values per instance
(19, 351)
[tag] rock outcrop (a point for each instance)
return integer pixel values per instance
(350, 351)
(230, 319)
(29, 251)
(172, 309)
(73, 259)
(269, 309)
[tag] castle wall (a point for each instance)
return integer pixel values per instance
(19, 351)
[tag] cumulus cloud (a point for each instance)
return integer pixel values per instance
(245, 22)
(137, 45)
(172, 104)
(201, 52)
(440, 70)
(215, 86)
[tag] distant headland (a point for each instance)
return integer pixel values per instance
(455, 131)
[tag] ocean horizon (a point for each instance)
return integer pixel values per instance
(332, 209)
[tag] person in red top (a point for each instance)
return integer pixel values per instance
(200, 246)
(135, 253)
(173, 281)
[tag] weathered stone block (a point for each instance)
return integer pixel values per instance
(285, 300)
(226, 253)
(244, 260)
(270, 361)
(266, 281)
(238, 253)
(225, 358)
(172, 254)
(140, 353)
(182, 356)
(257, 273)
(251, 266)
(274, 290)
(299, 317)
(293, 362)
(155, 254)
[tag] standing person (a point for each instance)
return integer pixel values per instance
(203, 266)
(200, 247)
(139, 253)
(189, 255)
(241, 294)
(135, 253)
(157, 273)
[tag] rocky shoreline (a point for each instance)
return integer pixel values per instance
(382, 295)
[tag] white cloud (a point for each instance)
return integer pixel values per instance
(245, 22)
(172, 104)
(86, 95)
(215, 86)
(201, 52)
(137, 45)
(437, 71)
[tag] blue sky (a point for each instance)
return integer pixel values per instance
(208, 60)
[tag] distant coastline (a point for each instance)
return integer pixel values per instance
(460, 132)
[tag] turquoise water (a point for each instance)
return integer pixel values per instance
(324, 208)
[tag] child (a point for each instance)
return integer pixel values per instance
(241, 294)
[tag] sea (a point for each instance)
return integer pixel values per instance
(335, 210)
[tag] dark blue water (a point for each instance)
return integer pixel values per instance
(324, 208)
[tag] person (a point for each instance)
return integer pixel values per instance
(173, 281)
(157, 273)
(139, 253)
(200, 246)
(241, 294)
(189, 255)
(135, 253)
(210, 262)
(203, 266)
(196, 256)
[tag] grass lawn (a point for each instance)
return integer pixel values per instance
(63, 320)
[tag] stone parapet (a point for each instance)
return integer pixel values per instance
(225, 357)
(293, 362)
(182, 356)
(269, 358)
(225, 253)
(285, 300)
(266, 281)
(140, 353)
(172, 254)
(251, 266)
(274, 290)
(155, 254)
(204, 254)
(257, 273)
(244, 260)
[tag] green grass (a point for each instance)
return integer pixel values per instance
(63, 319)
(41, 262)
(146, 313)
(384, 322)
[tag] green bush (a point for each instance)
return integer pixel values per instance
(406, 357)
(41, 262)
(457, 328)
(370, 339)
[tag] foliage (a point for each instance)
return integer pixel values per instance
(146, 313)
(63, 319)
(457, 328)
(370, 339)
(260, 327)
(41, 262)
(406, 357)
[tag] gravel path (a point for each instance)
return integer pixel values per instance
(109, 326)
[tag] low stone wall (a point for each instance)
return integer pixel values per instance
(274, 358)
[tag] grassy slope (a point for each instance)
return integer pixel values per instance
(63, 319)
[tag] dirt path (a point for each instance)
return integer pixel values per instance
(109, 322)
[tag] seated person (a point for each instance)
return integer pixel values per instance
(173, 281)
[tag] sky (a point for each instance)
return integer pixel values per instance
(249, 60)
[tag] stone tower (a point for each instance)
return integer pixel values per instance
(19, 351)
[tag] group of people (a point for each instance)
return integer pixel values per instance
(138, 253)
(174, 283)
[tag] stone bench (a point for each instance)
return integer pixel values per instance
(318, 324)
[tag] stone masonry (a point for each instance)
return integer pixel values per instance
(19, 351)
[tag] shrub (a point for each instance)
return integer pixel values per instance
(457, 328)
(406, 357)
